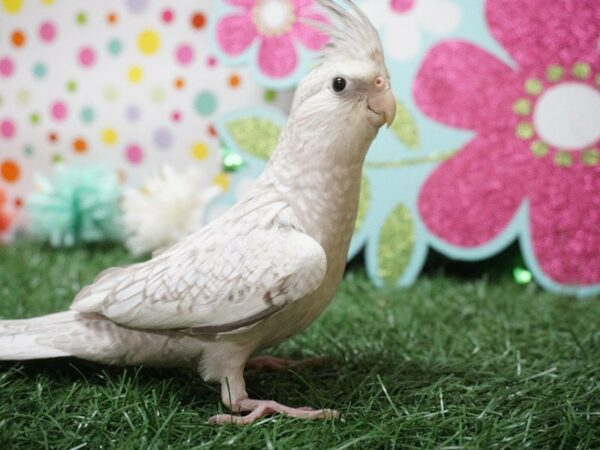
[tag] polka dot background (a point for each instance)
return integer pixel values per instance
(129, 84)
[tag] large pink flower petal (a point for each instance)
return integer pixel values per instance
(246, 4)
(310, 36)
(235, 33)
(462, 85)
(470, 199)
(565, 218)
(277, 56)
(302, 5)
(538, 33)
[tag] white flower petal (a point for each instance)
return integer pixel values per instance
(439, 16)
(402, 39)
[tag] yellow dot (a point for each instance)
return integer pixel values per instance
(12, 6)
(591, 157)
(109, 136)
(554, 73)
(534, 86)
(522, 107)
(47, 2)
(135, 74)
(539, 149)
(563, 159)
(222, 180)
(199, 150)
(581, 70)
(148, 42)
(525, 130)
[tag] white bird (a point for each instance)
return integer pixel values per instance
(261, 272)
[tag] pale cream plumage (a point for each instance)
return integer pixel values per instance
(261, 272)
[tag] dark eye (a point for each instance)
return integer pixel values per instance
(339, 84)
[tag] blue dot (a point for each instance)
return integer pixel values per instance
(39, 70)
(114, 47)
(87, 115)
(205, 103)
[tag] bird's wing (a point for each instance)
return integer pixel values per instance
(228, 275)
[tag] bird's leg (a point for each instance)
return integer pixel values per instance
(234, 397)
(274, 364)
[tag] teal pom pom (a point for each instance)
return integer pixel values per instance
(76, 205)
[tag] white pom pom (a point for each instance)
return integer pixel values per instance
(168, 207)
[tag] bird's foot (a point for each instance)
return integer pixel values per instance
(273, 364)
(262, 408)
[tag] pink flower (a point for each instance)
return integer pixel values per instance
(276, 24)
(537, 126)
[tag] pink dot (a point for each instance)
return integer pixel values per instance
(134, 154)
(47, 31)
(185, 54)
(59, 110)
(176, 116)
(7, 128)
(167, 16)
(87, 56)
(6, 67)
(211, 61)
(402, 6)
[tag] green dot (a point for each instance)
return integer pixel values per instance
(71, 85)
(590, 157)
(87, 114)
(525, 130)
(554, 73)
(534, 86)
(539, 148)
(23, 96)
(158, 94)
(270, 95)
(110, 93)
(522, 107)
(115, 47)
(81, 18)
(205, 103)
(28, 150)
(39, 70)
(56, 158)
(563, 159)
(34, 118)
(581, 70)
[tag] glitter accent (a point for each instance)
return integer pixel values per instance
(554, 73)
(255, 135)
(582, 70)
(539, 149)
(363, 203)
(522, 275)
(405, 128)
(525, 130)
(522, 107)
(396, 242)
(534, 86)
(432, 157)
(230, 160)
(563, 159)
(590, 157)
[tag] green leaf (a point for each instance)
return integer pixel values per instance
(363, 203)
(396, 243)
(256, 136)
(405, 127)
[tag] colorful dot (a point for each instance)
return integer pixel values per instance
(176, 116)
(6, 67)
(34, 118)
(10, 170)
(28, 150)
(582, 70)
(554, 73)
(47, 2)
(205, 103)
(270, 95)
(114, 47)
(525, 130)
(198, 20)
(167, 16)
(39, 70)
(222, 180)
(158, 94)
(18, 38)
(81, 18)
(184, 54)
(23, 96)
(109, 136)
(137, 6)
(148, 42)
(18, 202)
(134, 154)
(590, 157)
(87, 56)
(522, 107)
(112, 18)
(71, 86)
(132, 113)
(212, 130)
(7, 128)
(163, 138)
(57, 158)
(12, 6)
(235, 80)
(199, 151)
(539, 148)
(58, 110)
(80, 145)
(563, 159)
(87, 114)
(179, 83)
(53, 137)
(111, 93)
(211, 61)
(534, 86)
(47, 31)
(135, 74)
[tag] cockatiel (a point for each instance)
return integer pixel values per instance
(261, 272)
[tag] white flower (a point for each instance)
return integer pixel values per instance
(400, 22)
(168, 207)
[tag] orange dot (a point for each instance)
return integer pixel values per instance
(111, 18)
(179, 83)
(212, 131)
(234, 80)
(53, 137)
(80, 145)
(10, 170)
(18, 38)
(198, 20)
(18, 202)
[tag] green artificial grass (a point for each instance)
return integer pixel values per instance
(448, 363)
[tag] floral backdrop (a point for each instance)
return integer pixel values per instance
(497, 136)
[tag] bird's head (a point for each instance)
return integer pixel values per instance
(350, 88)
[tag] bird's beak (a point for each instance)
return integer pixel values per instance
(383, 103)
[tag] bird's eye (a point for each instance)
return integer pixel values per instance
(339, 84)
